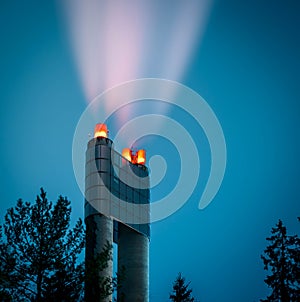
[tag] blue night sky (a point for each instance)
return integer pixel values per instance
(248, 70)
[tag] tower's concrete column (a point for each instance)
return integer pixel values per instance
(99, 233)
(133, 255)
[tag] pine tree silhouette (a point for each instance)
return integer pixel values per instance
(282, 258)
(181, 292)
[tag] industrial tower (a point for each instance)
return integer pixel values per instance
(117, 210)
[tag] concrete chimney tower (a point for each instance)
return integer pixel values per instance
(117, 209)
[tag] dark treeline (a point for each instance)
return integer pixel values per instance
(40, 259)
(39, 252)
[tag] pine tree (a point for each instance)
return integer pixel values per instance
(181, 292)
(39, 256)
(282, 257)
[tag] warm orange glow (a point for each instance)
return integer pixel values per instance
(127, 153)
(141, 157)
(100, 130)
(136, 158)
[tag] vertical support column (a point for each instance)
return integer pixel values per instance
(133, 255)
(99, 227)
(99, 232)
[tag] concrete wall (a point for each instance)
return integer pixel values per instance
(133, 255)
(99, 232)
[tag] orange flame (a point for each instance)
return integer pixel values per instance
(126, 152)
(100, 130)
(138, 158)
(141, 157)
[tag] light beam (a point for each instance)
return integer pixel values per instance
(117, 41)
